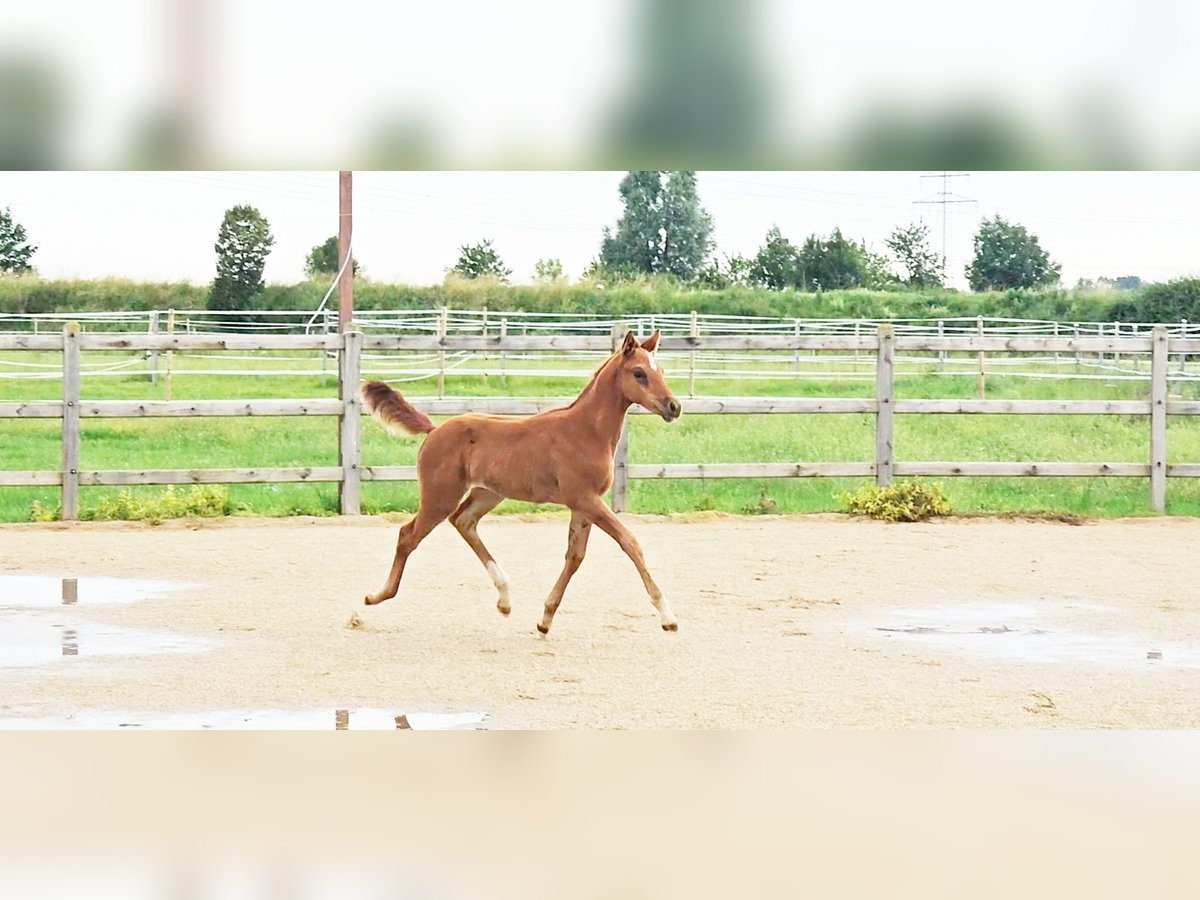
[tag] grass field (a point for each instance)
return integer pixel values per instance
(263, 442)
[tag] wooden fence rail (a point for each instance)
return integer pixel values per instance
(349, 473)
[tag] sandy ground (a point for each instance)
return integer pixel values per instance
(780, 623)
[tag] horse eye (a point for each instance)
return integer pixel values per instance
(640, 376)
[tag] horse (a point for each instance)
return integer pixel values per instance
(469, 463)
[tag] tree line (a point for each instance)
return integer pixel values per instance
(663, 231)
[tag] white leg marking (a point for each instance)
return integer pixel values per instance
(501, 582)
(667, 618)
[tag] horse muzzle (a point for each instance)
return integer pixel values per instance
(671, 410)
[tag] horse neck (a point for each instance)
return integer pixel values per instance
(600, 405)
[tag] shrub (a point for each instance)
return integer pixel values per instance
(201, 500)
(904, 501)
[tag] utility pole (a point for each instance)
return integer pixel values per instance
(345, 229)
(944, 198)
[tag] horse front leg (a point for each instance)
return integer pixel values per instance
(601, 515)
(577, 538)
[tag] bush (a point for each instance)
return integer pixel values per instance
(202, 500)
(1170, 302)
(904, 501)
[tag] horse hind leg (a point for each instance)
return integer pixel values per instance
(478, 504)
(411, 534)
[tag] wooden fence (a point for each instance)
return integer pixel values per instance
(350, 473)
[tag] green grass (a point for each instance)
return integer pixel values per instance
(271, 442)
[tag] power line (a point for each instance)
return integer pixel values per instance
(944, 198)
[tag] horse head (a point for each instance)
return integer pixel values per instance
(640, 378)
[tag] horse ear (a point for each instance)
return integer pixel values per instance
(629, 344)
(651, 343)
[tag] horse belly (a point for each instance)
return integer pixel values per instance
(514, 477)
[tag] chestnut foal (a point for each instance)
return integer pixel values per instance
(469, 463)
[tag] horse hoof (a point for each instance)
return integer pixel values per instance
(542, 628)
(504, 610)
(670, 626)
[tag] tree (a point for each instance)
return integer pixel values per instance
(1121, 283)
(663, 229)
(15, 250)
(1008, 256)
(777, 264)
(735, 271)
(834, 263)
(686, 227)
(243, 242)
(323, 260)
(910, 246)
(547, 271)
(477, 260)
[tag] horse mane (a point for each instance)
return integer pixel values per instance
(590, 386)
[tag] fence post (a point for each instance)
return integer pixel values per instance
(442, 327)
(70, 423)
(503, 358)
(484, 330)
(620, 486)
(152, 328)
(885, 372)
(350, 421)
(170, 353)
(1158, 421)
(695, 333)
(982, 386)
(942, 352)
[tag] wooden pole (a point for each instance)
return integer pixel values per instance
(484, 329)
(170, 354)
(350, 421)
(345, 229)
(442, 328)
(885, 371)
(152, 328)
(503, 358)
(982, 386)
(70, 423)
(1158, 421)
(695, 333)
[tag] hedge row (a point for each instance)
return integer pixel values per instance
(1156, 302)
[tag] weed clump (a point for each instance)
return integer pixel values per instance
(201, 500)
(904, 501)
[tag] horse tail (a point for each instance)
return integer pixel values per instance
(393, 410)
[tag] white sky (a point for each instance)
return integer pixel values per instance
(409, 225)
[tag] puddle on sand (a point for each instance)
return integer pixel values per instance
(38, 623)
(364, 719)
(33, 639)
(48, 591)
(1020, 632)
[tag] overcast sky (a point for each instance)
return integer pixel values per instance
(409, 225)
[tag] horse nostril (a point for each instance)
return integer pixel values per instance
(675, 408)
